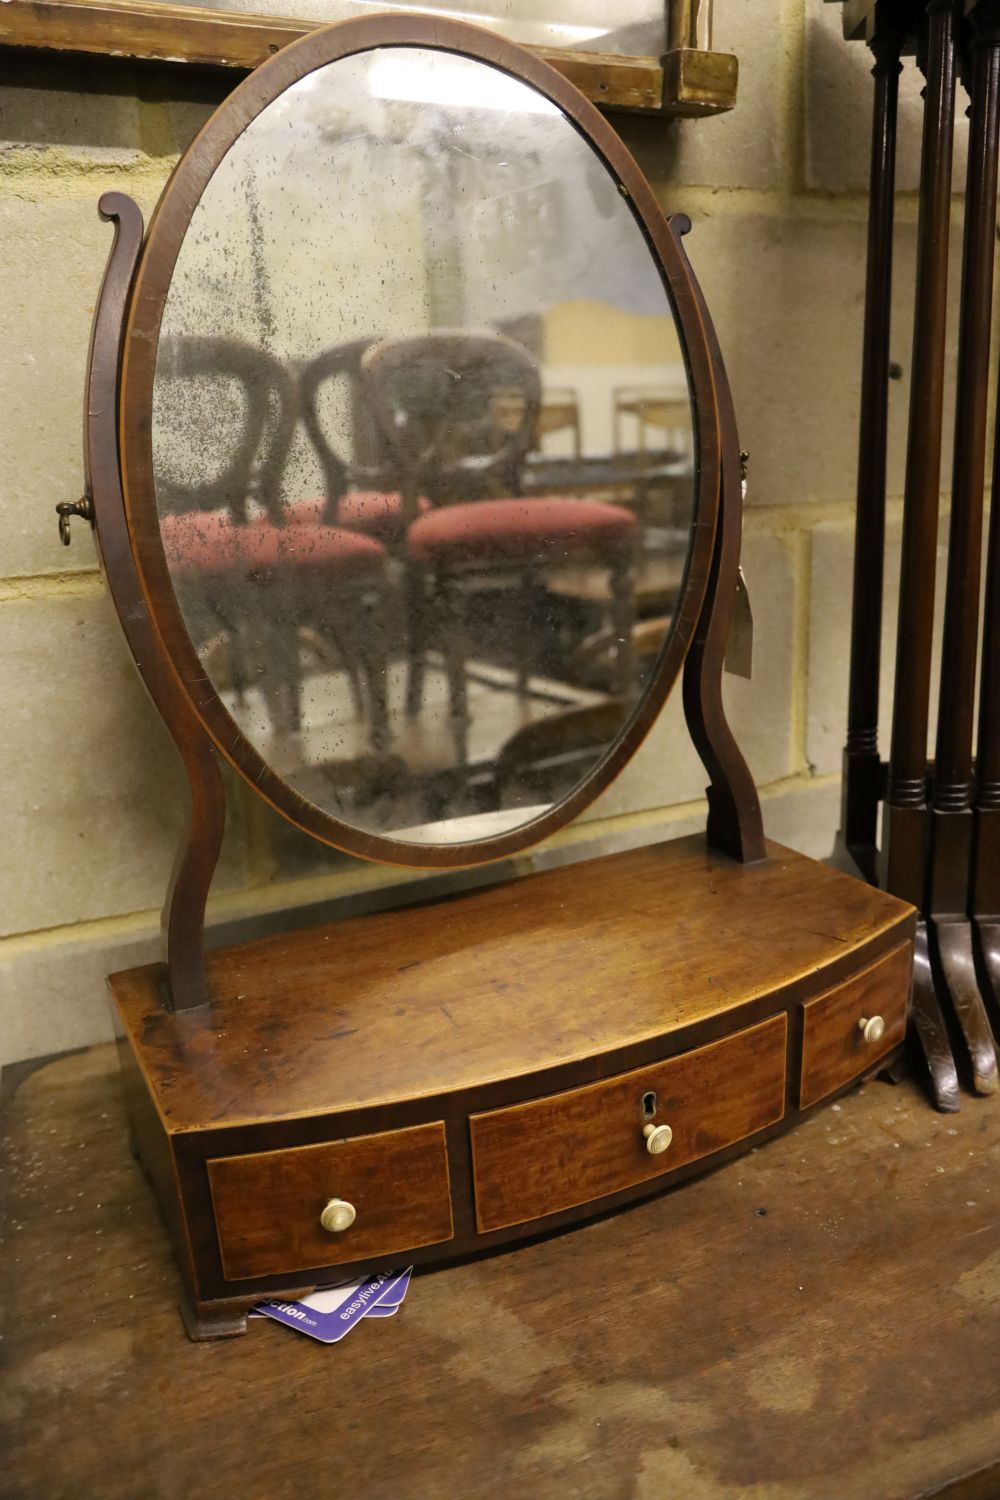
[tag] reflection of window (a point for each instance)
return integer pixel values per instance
(659, 418)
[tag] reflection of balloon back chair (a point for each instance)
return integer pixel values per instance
(363, 495)
(459, 412)
(302, 573)
(558, 412)
(258, 436)
(448, 405)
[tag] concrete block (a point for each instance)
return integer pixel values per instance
(52, 258)
(829, 639)
(804, 816)
(666, 770)
(838, 110)
(94, 793)
(787, 298)
(53, 993)
(89, 111)
(739, 149)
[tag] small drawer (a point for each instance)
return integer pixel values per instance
(268, 1205)
(835, 1048)
(550, 1154)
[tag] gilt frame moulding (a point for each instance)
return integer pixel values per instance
(690, 79)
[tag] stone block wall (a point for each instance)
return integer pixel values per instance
(93, 794)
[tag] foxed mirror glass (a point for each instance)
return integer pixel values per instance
(423, 446)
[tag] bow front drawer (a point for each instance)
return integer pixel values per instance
(281, 1212)
(554, 1153)
(846, 1030)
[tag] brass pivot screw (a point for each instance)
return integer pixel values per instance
(67, 508)
(872, 1030)
(337, 1216)
(658, 1138)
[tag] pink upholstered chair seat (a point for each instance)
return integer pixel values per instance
(533, 530)
(210, 543)
(375, 513)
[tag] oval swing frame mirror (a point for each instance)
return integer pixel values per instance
(150, 290)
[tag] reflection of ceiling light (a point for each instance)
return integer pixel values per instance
(452, 81)
(556, 28)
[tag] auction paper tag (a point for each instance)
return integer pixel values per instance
(739, 648)
(391, 1300)
(330, 1315)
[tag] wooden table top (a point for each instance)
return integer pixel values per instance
(506, 980)
(819, 1320)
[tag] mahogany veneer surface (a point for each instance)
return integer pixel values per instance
(505, 1039)
(833, 1049)
(505, 981)
(817, 1321)
(569, 1148)
(267, 1204)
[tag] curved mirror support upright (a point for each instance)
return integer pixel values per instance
(419, 442)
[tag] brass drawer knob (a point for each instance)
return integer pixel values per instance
(872, 1030)
(658, 1138)
(338, 1216)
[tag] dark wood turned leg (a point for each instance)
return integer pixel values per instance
(952, 825)
(862, 783)
(987, 937)
(906, 795)
(950, 933)
(958, 965)
(930, 1032)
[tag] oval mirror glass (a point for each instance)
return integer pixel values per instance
(423, 446)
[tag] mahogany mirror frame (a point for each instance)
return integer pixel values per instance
(726, 982)
(145, 310)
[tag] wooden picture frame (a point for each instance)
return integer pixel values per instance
(690, 80)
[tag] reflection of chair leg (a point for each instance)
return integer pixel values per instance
(416, 609)
(526, 634)
(275, 657)
(374, 664)
(238, 668)
(622, 618)
(453, 644)
(337, 659)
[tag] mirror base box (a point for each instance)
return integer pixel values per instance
(364, 1094)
